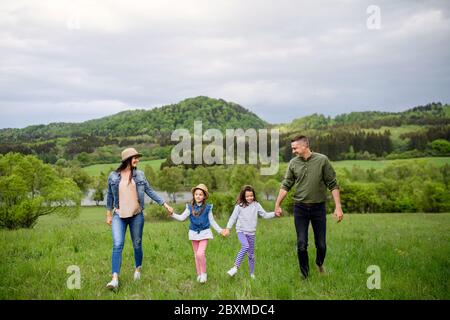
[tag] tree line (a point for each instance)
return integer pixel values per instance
(29, 188)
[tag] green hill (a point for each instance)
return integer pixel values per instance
(430, 114)
(157, 122)
(421, 131)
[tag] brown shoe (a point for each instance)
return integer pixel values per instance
(321, 269)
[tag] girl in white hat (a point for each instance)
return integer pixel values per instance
(201, 218)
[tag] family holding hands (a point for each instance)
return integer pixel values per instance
(201, 218)
(127, 187)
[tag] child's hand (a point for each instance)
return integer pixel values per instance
(277, 214)
(225, 232)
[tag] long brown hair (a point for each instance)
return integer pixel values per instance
(241, 198)
(124, 165)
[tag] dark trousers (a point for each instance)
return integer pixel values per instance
(303, 214)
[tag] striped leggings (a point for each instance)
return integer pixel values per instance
(247, 247)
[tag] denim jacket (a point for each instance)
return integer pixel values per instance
(201, 222)
(142, 187)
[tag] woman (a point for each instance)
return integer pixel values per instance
(125, 205)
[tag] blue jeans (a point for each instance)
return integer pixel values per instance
(119, 228)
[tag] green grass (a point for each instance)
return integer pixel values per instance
(397, 131)
(95, 169)
(397, 142)
(412, 251)
(381, 164)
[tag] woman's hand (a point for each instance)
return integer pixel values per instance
(109, 218)
(169, 209)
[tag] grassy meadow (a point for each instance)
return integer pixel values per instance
(381, 164)
(412, 251)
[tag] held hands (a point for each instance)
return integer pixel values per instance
(278, 211)
(225, 232)
(169, 209)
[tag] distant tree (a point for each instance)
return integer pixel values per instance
(30, 189)
(100, 185)
(81, 178)
(200, 175)
(271, 187)
(170, 179)
(150, 174)
(99, 195)
(242, 175)
(440, 147)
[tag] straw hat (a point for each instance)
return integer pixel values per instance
(202, 187)
(130, 152)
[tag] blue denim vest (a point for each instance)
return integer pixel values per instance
(142, 188)
(202, 221)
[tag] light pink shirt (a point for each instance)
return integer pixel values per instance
(128, 198)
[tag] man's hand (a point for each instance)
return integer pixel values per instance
(278, 211)
(338, 214)
(281, 195)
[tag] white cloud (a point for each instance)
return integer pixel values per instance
(66, 61)
(425, 23)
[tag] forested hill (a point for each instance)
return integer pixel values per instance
(430, 114)
(417, 132)
(157, 122)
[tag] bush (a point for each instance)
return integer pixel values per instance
(155, 211)
(439, 147)
(359, 197)
(406, 155)
(435, 198)
(30, 189)
(223, 204)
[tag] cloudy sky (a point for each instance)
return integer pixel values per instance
(76, 60)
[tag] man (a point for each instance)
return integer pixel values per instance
(312, 174)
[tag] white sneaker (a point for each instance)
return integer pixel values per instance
(203, 278)
(113, 284)
(252, 275)
(137, 275)
(198, 278)
(232, 271)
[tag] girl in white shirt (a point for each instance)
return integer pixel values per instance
(246, 214)
(201, 218)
